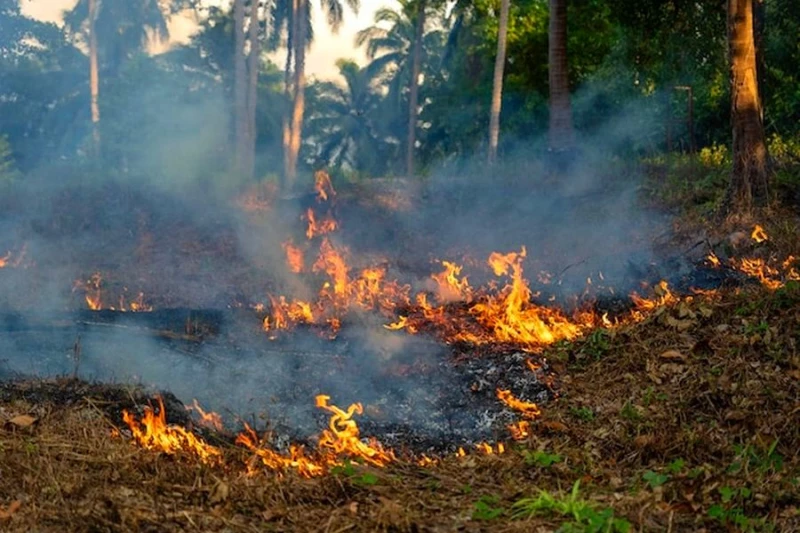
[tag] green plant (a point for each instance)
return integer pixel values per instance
(630, 412)
(748, 457)
(597, 344)
(486, 508)
(676, 466)
(350, 472)
(584, 517)
(654, 479)
(540, 458)
(582, 413)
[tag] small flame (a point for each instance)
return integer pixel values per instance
(294, 257)
(208, 419)
(342, 435)
(323, 186)
(153, 433)
(520, 430)
(527, 409)
(758, 234)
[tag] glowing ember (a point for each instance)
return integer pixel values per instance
(527, 409)
(153, 433)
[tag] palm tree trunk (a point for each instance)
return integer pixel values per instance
(298, 106)
(291, 34)
(497, 84)
(413, 89)
(94, 79)
(561, 133)
(239, 87)
(252, 90)
(749, 183)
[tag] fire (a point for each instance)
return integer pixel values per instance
(769, 276)
(318, 228)
(758, 234)
(342, 435)
(296, 460)
(449, 287)
(520, 430)
(208, 419)
(527, 409)
(294, 257)
(153, 433)
(12, 260)
(323, 186)
(93, 293)
(663, 296)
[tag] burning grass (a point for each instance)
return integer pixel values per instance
(686, 420)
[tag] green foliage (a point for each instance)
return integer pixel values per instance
(654, 479)
(630, 412)
(486, 508)
(582, 413)
(763, 462)
(582, 515)
(356, 476)
(541, 458)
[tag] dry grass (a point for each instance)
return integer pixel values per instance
(660, 422)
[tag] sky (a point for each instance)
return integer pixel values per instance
(327, 48)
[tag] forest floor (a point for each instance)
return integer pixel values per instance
(688, 420)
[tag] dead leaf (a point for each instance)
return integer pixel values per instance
(219, 493)
(554, 426)
(735, 416)
(353, 507)
(270, 515)
(642, 441)
(673, 355)
(13, 507)
(20, 422)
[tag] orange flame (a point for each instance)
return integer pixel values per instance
(342, 435)
(527, 409)
(323, 186)
(294, 256)
(208, 419)
(520, 430)
(449, 286)
(155, 434)
(758, 234)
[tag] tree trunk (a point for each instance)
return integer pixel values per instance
(291, 33)
(298, 106)
(497, 84)
(750, 177)
(561, 133)
(239, 87)
(94, 79)
(413, 89)
(252, 90)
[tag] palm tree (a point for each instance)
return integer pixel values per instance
(341, 123)
(114, 30)
(497, 84)
(750, 178)
(293, 19)
(561, 132)
(402, 47)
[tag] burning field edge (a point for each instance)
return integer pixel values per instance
(685, 421)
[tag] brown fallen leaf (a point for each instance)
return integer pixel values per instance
(554, 426)
(642, 441)
(673, 355)
(220, 493)
(20, 422)
(13, 507)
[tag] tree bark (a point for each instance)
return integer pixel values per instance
(749, 184)
(298, 105)
(94, 79)
(497, 84)
(291, 34)
(561, 133)
(239, 87)
(413, 88)
(252, 90)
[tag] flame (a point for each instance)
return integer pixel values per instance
(768, 276)
(296, 460)
(294, 257)
(520, 430)
(12, 260)
(663, 296)
(342, 435)
(92, 289)
(318, 228)
(153, 433)
(323, 186)
(758, 234)
(713, 260)
(208, 419)
(527, 409)
(449, 286)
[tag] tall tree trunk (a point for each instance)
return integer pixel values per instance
(497, 84)
(413, 88)
(94, 79)
(291, 34)
(749, 183)
(298, 106)
(252, 90)
(561, 132)
(239, 87)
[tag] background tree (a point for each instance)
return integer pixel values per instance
(749, 183)
(497, 83)
(561, 132)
